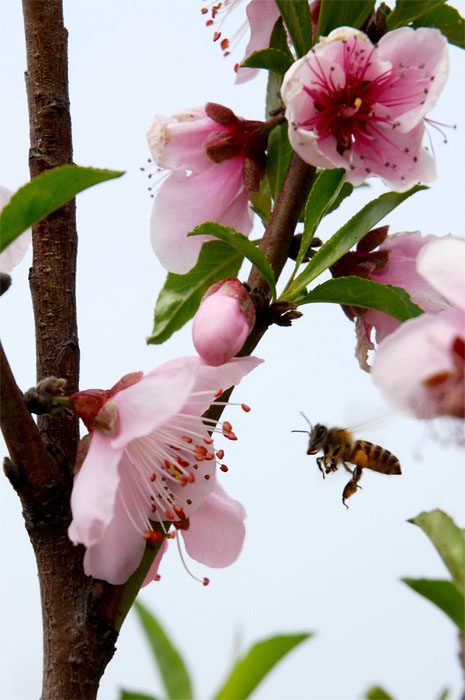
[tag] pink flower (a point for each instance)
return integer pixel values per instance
(400, 270)
(223, 321)
(15, 252)
(361, 107)
(150, 460)
(215, 534)
(419, 367)
(261, 16)
(216, 159)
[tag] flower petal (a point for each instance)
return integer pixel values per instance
(442, 264)
(216, 533)
(15, 252)
(262, 15)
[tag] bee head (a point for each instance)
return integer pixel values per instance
(318, 437)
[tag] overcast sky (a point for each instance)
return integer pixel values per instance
(307, 564)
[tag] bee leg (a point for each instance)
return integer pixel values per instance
(352, 486)
(320, 461)
(347, 468)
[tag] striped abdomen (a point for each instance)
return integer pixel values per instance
(375, 457)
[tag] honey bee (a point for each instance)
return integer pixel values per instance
(339, 447)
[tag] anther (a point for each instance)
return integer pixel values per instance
(153, 536)
(224, 468)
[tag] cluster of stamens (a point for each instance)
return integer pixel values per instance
(213, 12)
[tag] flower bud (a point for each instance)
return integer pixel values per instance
(223, 321)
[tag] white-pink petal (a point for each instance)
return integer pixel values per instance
(15, 252)
(442, 264)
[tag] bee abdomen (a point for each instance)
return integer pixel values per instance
(378, 458)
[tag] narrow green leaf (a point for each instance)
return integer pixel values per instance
(134, 695)
(170, 664)
(278, 41)
(377, 693)
(242, 244)
(345, 191)
(355, 291)
(296, 16)
(348, 236)
(324, 192)
(279, 156)
(448, 20)
(444, 594)
(444, 694)
(181, 295)
(45, 193)
(261, 201)
(406, 11)
(251, 668)
(340, 13)
(270, 59)
(448, 539)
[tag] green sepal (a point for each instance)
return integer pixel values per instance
(173, 671)
(44, 194)
(253, 666)
(242, 244)
(181, 294)
(356, 291)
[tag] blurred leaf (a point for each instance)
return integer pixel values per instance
(250, 670)
(325, 189)
(279, 156)
(242, 244)
(134, 695)
(270, 59)
(377, 693)
(181, 295)
(170, 664)
(448, 539)
(347, 236)
(340, 13)
(296, 16)
(444, 594)
(407, 11)
(44, 194)
(448, 20)
(444, 695)
(355, 291)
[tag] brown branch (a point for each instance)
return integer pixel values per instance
(53, 272)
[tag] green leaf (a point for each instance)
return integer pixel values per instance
(170, 664)
(407, 11)
(444, 694)
(296, 16)
(324, 192)
(347, 236)
(181, 295)
(278, 41)
(377, 693)
(344, 192)
(356, 291)
(134, 695)
(270, 59)
(444, 594)
(279, 156)
(261, 201)
(242, 244)
(45, 193)
(340, 13)
(448, 20)
(251, 668)
(448, 539)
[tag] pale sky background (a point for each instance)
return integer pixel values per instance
(307, 563)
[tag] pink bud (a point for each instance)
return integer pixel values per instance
(223, 321)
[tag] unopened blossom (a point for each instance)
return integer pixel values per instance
(215, 534)
(361, 107)
(225, 317)
(216, 160)
(261, 18)
(419, 368)
(15, 252)
(150, 460)
(394, 263)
